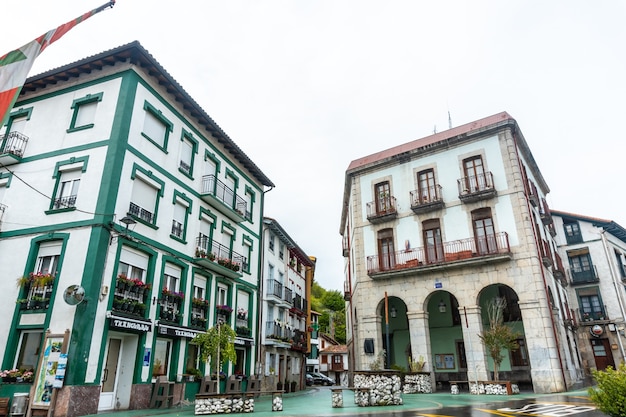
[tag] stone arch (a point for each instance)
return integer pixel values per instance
(516, 364)
(395, 338)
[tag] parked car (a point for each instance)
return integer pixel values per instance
(321, 379)
(309, 379)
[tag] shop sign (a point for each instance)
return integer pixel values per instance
(177, 331)
(596, 330)
(129, 325)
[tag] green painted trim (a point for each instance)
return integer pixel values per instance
(58, 175)
(76, 105)
(218, 164)
(98, 244)
(231, 174)
(248, 243)
(11, 348)
(72, 160)
(188, 137)
(159, 193)
(182, 196)
(169, 126)
(8, 176)
(17, 114)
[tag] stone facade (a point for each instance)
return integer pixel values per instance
(433, 230)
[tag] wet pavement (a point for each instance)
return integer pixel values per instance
(316, 401)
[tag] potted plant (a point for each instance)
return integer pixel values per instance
(217, 344)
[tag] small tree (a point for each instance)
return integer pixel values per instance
(217, 344)
(610, 395)
(498, 337)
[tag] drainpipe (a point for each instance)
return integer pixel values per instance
(610, 261)
(543, 275)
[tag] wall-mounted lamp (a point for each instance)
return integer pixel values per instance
(442, 306)
(393, 312)
(127, 220)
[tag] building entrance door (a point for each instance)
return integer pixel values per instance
(602, 353)
(109, 375)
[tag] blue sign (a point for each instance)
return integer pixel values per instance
(438, 284)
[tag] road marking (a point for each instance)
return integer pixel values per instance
(549, 410)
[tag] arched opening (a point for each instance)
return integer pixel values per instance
(449, 361)
(395, 333)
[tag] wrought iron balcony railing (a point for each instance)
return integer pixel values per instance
(214, 251)
(426, 200)
(14, 143)
(140, 213)
(476, 187)
(446, 252)
(382, 209)
(220, 191)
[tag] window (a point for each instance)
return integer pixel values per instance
(386, 251)
(426, 186)
(222, 294)
(581, 267)
(156, 127)
(182, 207)
(519, 357)
(171, 278)
(475, 177)
(484, 233)
(162, 353)
(188, 149)
(84, 112)
(271, 242)
(68, 190)
(67, 174)
(28, 349)
(433, 245)
(133, 264)
(14, 141)
(572, 231)
(144, 197)
(618, 257)
(193, 357)
(590, 304)
(281, 250)
(382, 192)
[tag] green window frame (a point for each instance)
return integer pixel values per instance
(84, 110)
(153, 121)
(14, 142)
(251, 200)
(67, 176)
(188, 151)
(248, 244)
(146, 179)
(182, 204)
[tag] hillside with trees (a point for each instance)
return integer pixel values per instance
(331, 305)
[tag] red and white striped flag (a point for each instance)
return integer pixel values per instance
(15, 66)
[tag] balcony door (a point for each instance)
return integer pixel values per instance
(432, 241)
(383, 197)
(386, 251)
(484, 233)
(426, 186)
(474, 174)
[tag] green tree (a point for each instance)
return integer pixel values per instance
(219, 338)
(610, 396)
(498, 337)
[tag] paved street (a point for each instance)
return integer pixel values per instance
(316, 401)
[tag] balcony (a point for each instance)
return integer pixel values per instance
(298, 342)
(558, 270)
(345, 247)
(276, 334)
(224, 199)
(448, 255)
(13, 148)
(590, 317)
(428, 200)
(546, 256)
(347, 295)
(544, 212)
(130, 297)
(219, 258)
(37, 289)
(586, 275)
(275, 293)
(476, 187)
(140, 213)
(382, 210)
(533, 195)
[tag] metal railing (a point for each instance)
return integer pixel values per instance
(14, 143)
(429, 195)
(64, 202)
(140, 212)
(220, 251)
(381, 207)
(475, 183)
(211, 185)
(439, 254)
(274, 288)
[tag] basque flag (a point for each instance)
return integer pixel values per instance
(15, 65)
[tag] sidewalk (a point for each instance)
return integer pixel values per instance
(316, 401)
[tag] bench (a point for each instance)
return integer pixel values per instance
(163, 393)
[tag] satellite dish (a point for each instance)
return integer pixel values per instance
(74, 295)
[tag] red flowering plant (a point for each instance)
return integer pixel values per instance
(199, 302)
(173, 294)
(37, 279)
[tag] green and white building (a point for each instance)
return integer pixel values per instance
(115, 182)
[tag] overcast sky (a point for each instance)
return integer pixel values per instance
(306, 86)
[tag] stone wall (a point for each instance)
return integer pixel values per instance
(417, 383)
(385, 387)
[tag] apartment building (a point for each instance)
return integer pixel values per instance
(591, 254)
(284, 318)
(120, 193)
(433, 231)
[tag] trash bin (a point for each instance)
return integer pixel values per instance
(19, 404)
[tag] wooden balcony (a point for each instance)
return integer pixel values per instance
(476, 187)
(381, 210)
(427, 200)
(455, 254)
